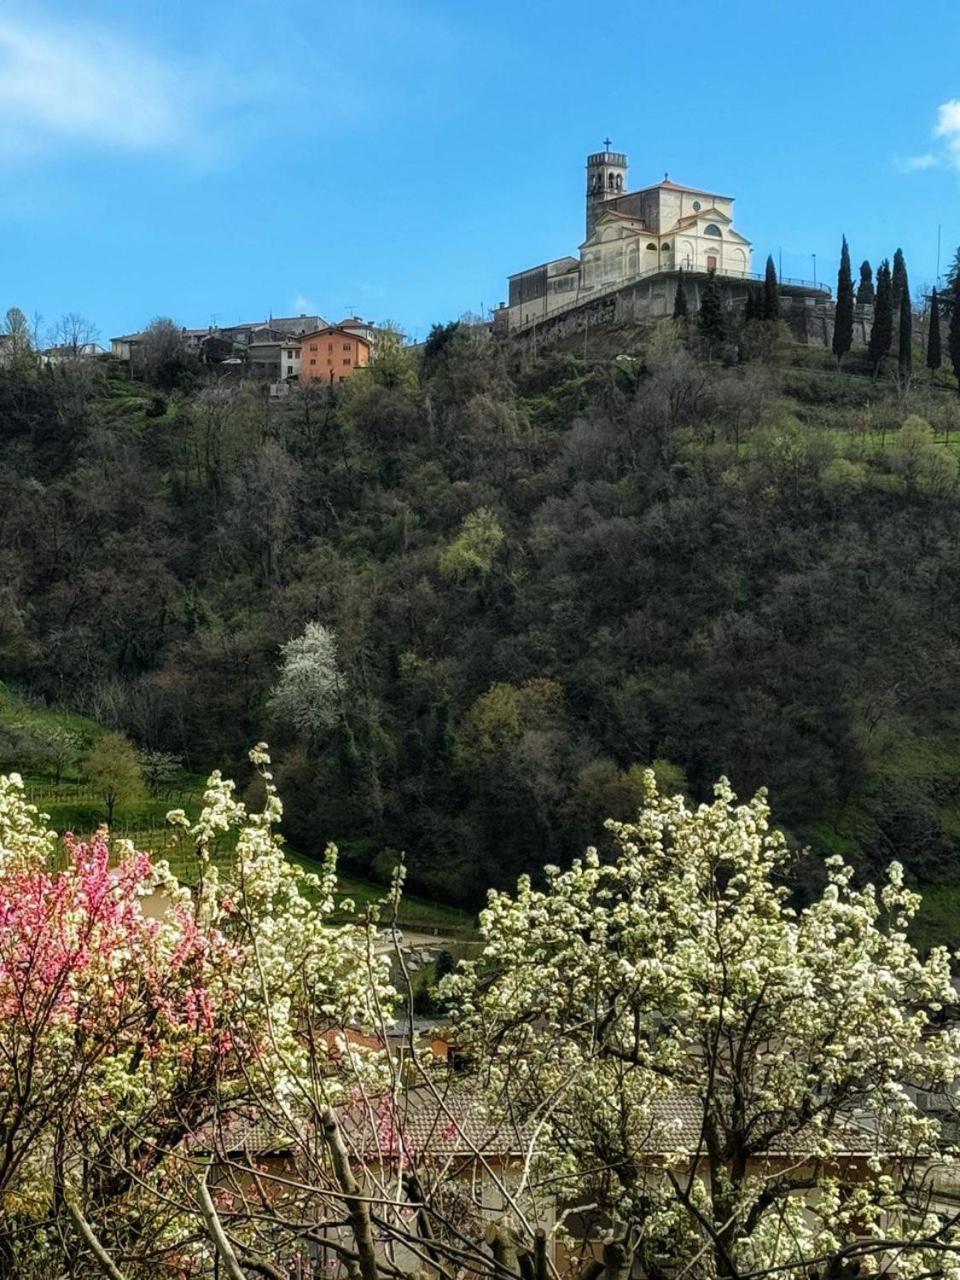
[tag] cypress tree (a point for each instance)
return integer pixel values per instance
(905, 343)
(843, 315)
(953, 340)
(898, 284)
(710, 319)
(680, 301)
(881, 335)
(771, 292)
(934, 354)
(865, 294)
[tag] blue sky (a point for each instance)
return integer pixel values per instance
(399, 158)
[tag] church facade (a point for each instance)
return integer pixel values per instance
(630, 236)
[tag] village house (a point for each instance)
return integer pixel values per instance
(333, 354)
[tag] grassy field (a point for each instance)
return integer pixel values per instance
(72, 804)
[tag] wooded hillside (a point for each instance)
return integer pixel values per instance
(526, 583)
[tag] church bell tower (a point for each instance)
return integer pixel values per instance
(606, 179)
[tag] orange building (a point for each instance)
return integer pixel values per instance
(332, 354)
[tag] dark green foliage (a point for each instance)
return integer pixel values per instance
(934, 353)
(691, 574)
(680, 299)
(771, 292)
(899, 288)
(865, 292)
(881, 335)
(753, 309)
(953, 339)
(905, 334)
(843, 316)
(710, 320)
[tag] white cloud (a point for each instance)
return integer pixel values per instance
(946, 132)
(948, 128)
(304, 306)
(914, 164)
(76, 85)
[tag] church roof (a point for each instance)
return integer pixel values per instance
(678, 186)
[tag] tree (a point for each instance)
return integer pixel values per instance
(865, 293)
(472, 552)
(680, 299)
(881, 335)
(771, 292)
(18, 333)
(307, 694)
(710, 320)
(61, 747)
(162, 357)
(704, 1057)
(905, 337)
(843, 315)
(113, 770)
(953, 271)
(160, 768)
(953, 336)
(73, 335)
(934, 353)
(899, 286)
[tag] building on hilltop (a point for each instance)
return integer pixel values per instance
(332, 354)
(630, 235)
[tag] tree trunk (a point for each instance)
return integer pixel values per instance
(358, 1211)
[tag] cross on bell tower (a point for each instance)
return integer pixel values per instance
(606, 179)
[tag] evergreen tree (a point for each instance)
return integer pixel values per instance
(753, 309)
(881, 335)
(680, 300)
(898, 284)
(771, 292)
(865, 293)
(953, 271)
(934, 354)
(905, 343)
(710, 320)
(905, 339)
(953, 340)
(843, 316)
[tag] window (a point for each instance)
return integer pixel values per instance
(329, 346)
(711, 229)
(346, 346)
(711, 262)
(653, 247)
(313, 347)
(696, 206)
(291, 354)
(313, 362)
(347, 361)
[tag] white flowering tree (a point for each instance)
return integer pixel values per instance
(721, 1082)
(307, 692)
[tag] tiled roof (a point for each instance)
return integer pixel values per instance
(452, 1120)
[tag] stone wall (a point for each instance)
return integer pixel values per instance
(808, 314)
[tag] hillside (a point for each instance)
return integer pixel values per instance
(538, 576)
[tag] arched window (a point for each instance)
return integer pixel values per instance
(666, 248)
(611, 182)
(653, 247)
(619, 181)
(711, 229)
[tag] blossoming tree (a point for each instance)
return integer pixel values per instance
(723, 1082)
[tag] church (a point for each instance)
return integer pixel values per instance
(631, 236)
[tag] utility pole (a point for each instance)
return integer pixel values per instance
(814, 270)
(939, 230)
